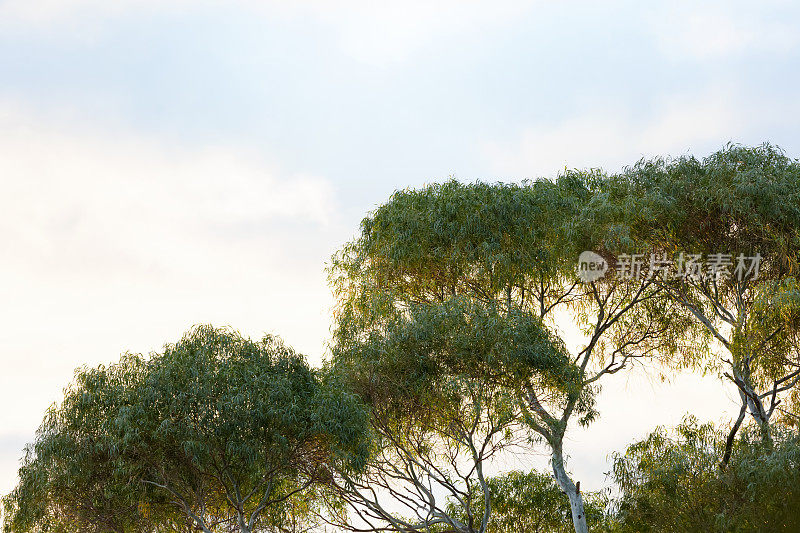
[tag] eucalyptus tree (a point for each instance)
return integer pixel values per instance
(68, 480)
(731, 224)
(216, 433)
(511, 252)
(533, 502)
(434, 379)
(671, 482)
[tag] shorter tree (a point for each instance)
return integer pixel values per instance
(217, 433)
(68, 480)
(437, 420)
(534, 503)
(671, 482)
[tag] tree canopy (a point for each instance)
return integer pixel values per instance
(738, 205)
(671, 482)
(464, 331)
(217, 432)
(487, 272)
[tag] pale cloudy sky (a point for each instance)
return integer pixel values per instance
(172, 162)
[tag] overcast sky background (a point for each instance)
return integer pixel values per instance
(165, 162)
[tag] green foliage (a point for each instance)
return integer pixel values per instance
(532, 502)
(739, 200)
(435, 378)
(454, 286)
(673, 482)
(436, 325)
(68, 479)
(773, 330)
(415, 354)
(218, 431)
(449, 239)
(449, 306)
(459, 262)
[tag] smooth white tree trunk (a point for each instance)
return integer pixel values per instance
(572, 491)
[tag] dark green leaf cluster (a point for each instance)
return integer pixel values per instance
(737, 200)
(673, 482)
(450, 265)
(532, 502)
(415, 361)
(215, 429)
(480, 240)
(69, 479)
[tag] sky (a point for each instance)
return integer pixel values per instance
(168, 163)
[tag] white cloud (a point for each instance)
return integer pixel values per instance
(372, 32)
(107, 191)
(112, 242)
(376, 32)
(712, 31)
(46, 12)
(381, 32)
(612, 138)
